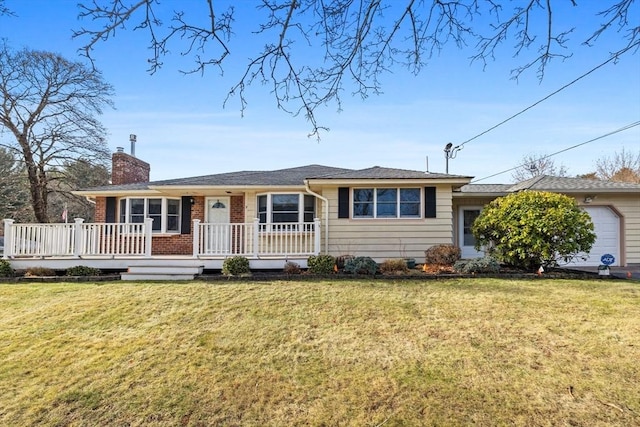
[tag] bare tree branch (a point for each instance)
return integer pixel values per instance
(312, 51)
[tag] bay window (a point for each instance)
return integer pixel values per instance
(286, 207)
(164, 212)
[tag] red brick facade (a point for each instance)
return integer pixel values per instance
(179, 244)
(126, 169)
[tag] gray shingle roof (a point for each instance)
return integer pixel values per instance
(281, 177)
(554, 183)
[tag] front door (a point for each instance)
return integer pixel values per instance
(467, 215)
(217, 239)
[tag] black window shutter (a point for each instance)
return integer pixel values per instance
(429, 202)
(110, 213)
(343, 202)
(185, 223)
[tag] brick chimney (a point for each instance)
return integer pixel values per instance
(127, 169)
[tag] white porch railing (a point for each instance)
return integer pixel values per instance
(77, 239)
(256, 240)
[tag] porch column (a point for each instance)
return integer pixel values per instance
(316, 236)
(148, 229)
(256, 236)
(77, 237)
(8, 239)
(196, 237)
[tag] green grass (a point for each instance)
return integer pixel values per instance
(362, 353)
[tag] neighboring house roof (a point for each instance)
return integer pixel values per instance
(281, 177)
(555, 184)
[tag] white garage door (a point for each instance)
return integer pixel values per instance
(607, 229)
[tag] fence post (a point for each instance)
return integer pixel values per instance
(77, 237)
(316, 235)
(148, 230)
(256, 237)
(196, 237)
(8, 239)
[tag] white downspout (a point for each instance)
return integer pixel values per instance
(326, 214)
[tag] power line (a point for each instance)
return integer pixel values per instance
(613, 58)
(627, 127)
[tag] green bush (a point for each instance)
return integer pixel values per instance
(341, 260)
(394, 266)
(83, 270)
(236, 266)
(533, 228)
(5, 269)
(321, 264)
(361, 265)
(39, 272)
(485, 264)
(444, 254)
(291, 267)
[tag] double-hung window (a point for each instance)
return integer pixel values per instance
(164, 212)
(386, 202)
(286, 208)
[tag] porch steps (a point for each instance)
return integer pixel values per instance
(161, 272)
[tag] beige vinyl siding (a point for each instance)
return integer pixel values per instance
(628, 207)
(384, 239)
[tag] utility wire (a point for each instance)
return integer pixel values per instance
(627, 127)
(613, 58)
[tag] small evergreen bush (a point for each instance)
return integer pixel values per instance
(485, 264)
(291, 267)
(361, 265)
(341, 260)
(39, 272)
(82, 270)
(321, 264)
(394, 266)
(236, 266)
(5, 269)
(444, 254)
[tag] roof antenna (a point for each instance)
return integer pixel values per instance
(427, 161)
(132, 139)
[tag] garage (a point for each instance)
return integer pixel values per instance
(607, 228)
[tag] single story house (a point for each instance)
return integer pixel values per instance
(289, 214)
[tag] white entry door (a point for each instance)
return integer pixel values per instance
(466, 216)
(218, 231)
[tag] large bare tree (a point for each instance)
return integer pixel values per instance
(311, 51)
(48, 110)
(622, 166)
(533, 165)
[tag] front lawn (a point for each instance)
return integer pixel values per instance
(362, 353)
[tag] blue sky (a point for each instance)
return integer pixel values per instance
(183, 130)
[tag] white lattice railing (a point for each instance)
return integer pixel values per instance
(76, 239)
(255, 239)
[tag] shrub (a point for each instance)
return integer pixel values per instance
(5, 269)
(361, 265)
(236, 266)
(533, 228)
(291, 267)
(442, 255)
(485, 264)
(341, 260)
(39, 272)
(321, 264)
(393, 266)
(82, 270)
